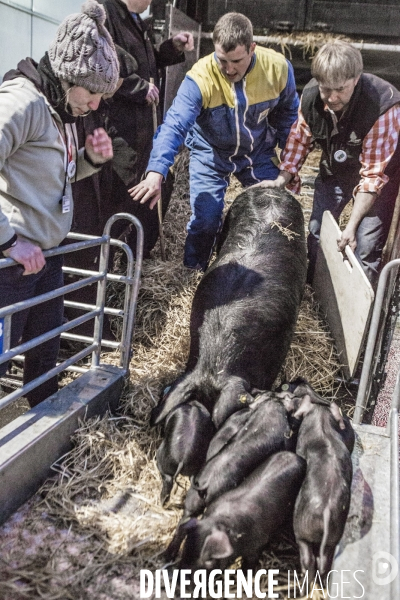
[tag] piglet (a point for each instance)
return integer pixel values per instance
(242, 521)
(323, 502)
(245, 440)
(188, 432)
(297, 405)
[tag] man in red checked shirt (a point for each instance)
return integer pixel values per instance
(355, 119)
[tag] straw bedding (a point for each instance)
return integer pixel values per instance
(92, 527)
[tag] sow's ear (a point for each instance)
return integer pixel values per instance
(216, 545)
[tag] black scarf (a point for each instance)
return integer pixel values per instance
(44, 79)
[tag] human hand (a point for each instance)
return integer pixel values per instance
(153, 94)
(28, 255)
(267, 183)
(280, 182)
(183, 41)
(98, 146)
(148, 189)
(348, 238)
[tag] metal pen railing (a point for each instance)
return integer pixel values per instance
(363, 389)
(131, 281)
(392, 428)
(393, 424)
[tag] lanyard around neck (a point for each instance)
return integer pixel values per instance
(67, 135)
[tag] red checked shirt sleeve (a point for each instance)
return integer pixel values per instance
(377, 150)
(298, 146)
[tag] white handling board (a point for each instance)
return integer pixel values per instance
(344, 293)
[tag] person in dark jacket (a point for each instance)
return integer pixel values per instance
(232, 110)
(131, 109)
(355, 119)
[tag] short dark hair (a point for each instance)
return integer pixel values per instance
(233, 29)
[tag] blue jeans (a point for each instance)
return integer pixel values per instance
(30, 323)
(372, 232)
(207, 190)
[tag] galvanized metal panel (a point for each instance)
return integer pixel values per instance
(27, 27)
(30, 444)
(366, 537)
(43, 34)
(24, 3)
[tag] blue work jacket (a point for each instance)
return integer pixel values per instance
(228, 125)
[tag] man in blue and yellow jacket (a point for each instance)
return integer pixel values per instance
(232, 109)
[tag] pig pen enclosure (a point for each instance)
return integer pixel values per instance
(91, 528)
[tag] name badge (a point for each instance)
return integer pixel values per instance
(340, 156)
(71, 169)
(65, 204)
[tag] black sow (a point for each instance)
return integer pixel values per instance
(246, 305)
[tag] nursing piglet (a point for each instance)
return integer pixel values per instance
(323, 502)
(245, 440)
(242, 521)
(188, 432)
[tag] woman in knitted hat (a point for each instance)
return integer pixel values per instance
(39, 105)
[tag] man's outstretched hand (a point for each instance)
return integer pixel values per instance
(148, 190)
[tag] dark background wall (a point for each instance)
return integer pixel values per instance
(370, 21)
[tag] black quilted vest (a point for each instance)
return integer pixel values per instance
(371, 98)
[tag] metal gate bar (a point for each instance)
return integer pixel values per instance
(362, 399)
(393, 424)
(31, 443)
(131, 281)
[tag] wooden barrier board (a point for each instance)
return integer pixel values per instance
(344, 293)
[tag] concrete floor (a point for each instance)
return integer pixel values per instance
(384, 400)
(14, 410)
